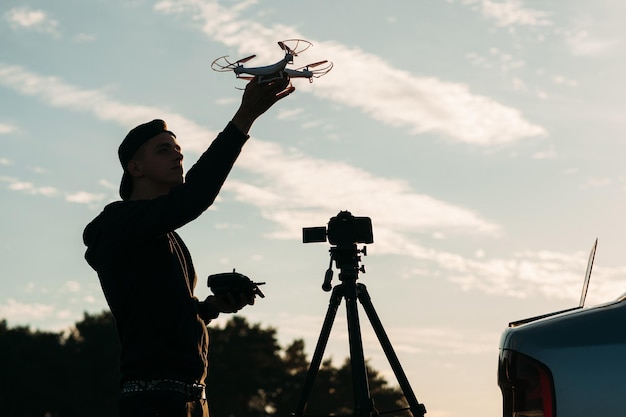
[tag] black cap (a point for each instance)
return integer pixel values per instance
(133, 141)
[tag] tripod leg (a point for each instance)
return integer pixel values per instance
(363, 405)
(416, 408)
(316, 361)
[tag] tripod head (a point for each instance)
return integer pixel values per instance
(347, 260)
(344, 232)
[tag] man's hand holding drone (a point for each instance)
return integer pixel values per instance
(258, 98)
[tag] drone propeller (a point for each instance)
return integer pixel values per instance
(286, 49)
(246, 59)
(294, 46)
(315, 68)
(316, 64)
(222, 64)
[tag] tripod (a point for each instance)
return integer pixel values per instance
(347, 260)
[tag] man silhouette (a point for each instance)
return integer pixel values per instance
(145, 269)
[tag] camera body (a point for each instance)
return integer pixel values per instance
(343, 229)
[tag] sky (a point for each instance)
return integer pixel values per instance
(484, 138)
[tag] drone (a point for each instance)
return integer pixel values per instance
(268, 73)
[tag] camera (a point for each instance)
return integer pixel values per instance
(343, 229)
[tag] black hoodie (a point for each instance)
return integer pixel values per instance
(146, 271)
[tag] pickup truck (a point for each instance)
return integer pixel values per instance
(570, 363)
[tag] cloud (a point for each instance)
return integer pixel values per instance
(29, 187)
(289, 113)
(84, 197)
(309, 193)
(36, 20)
(547, 154)
(597, 182)
(562, 80)
(108, 185)
(85, 37)
(510, 13)
(7, 128)
(496, 58)
(581, 43)
(529, 274)
(442, 341)
(57, 93)
(71, 286)
(18, 311)
(385, 93)
(52, 317)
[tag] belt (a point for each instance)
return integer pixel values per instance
(194, 391)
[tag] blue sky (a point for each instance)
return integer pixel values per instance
(484, 138)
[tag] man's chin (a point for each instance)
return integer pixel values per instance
(176, 183)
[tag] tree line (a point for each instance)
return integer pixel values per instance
(76, 374)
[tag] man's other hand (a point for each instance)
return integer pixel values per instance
(229, 302)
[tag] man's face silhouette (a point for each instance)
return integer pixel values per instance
(157, 166)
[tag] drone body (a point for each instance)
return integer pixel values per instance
(292, 48)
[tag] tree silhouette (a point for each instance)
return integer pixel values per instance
(77, 374)
(245, 370)
(95, 351)
(33, 365)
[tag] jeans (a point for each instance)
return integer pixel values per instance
(161, 404)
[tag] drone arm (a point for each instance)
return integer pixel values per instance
(310, 71)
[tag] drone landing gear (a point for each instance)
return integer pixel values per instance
(347, 261)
